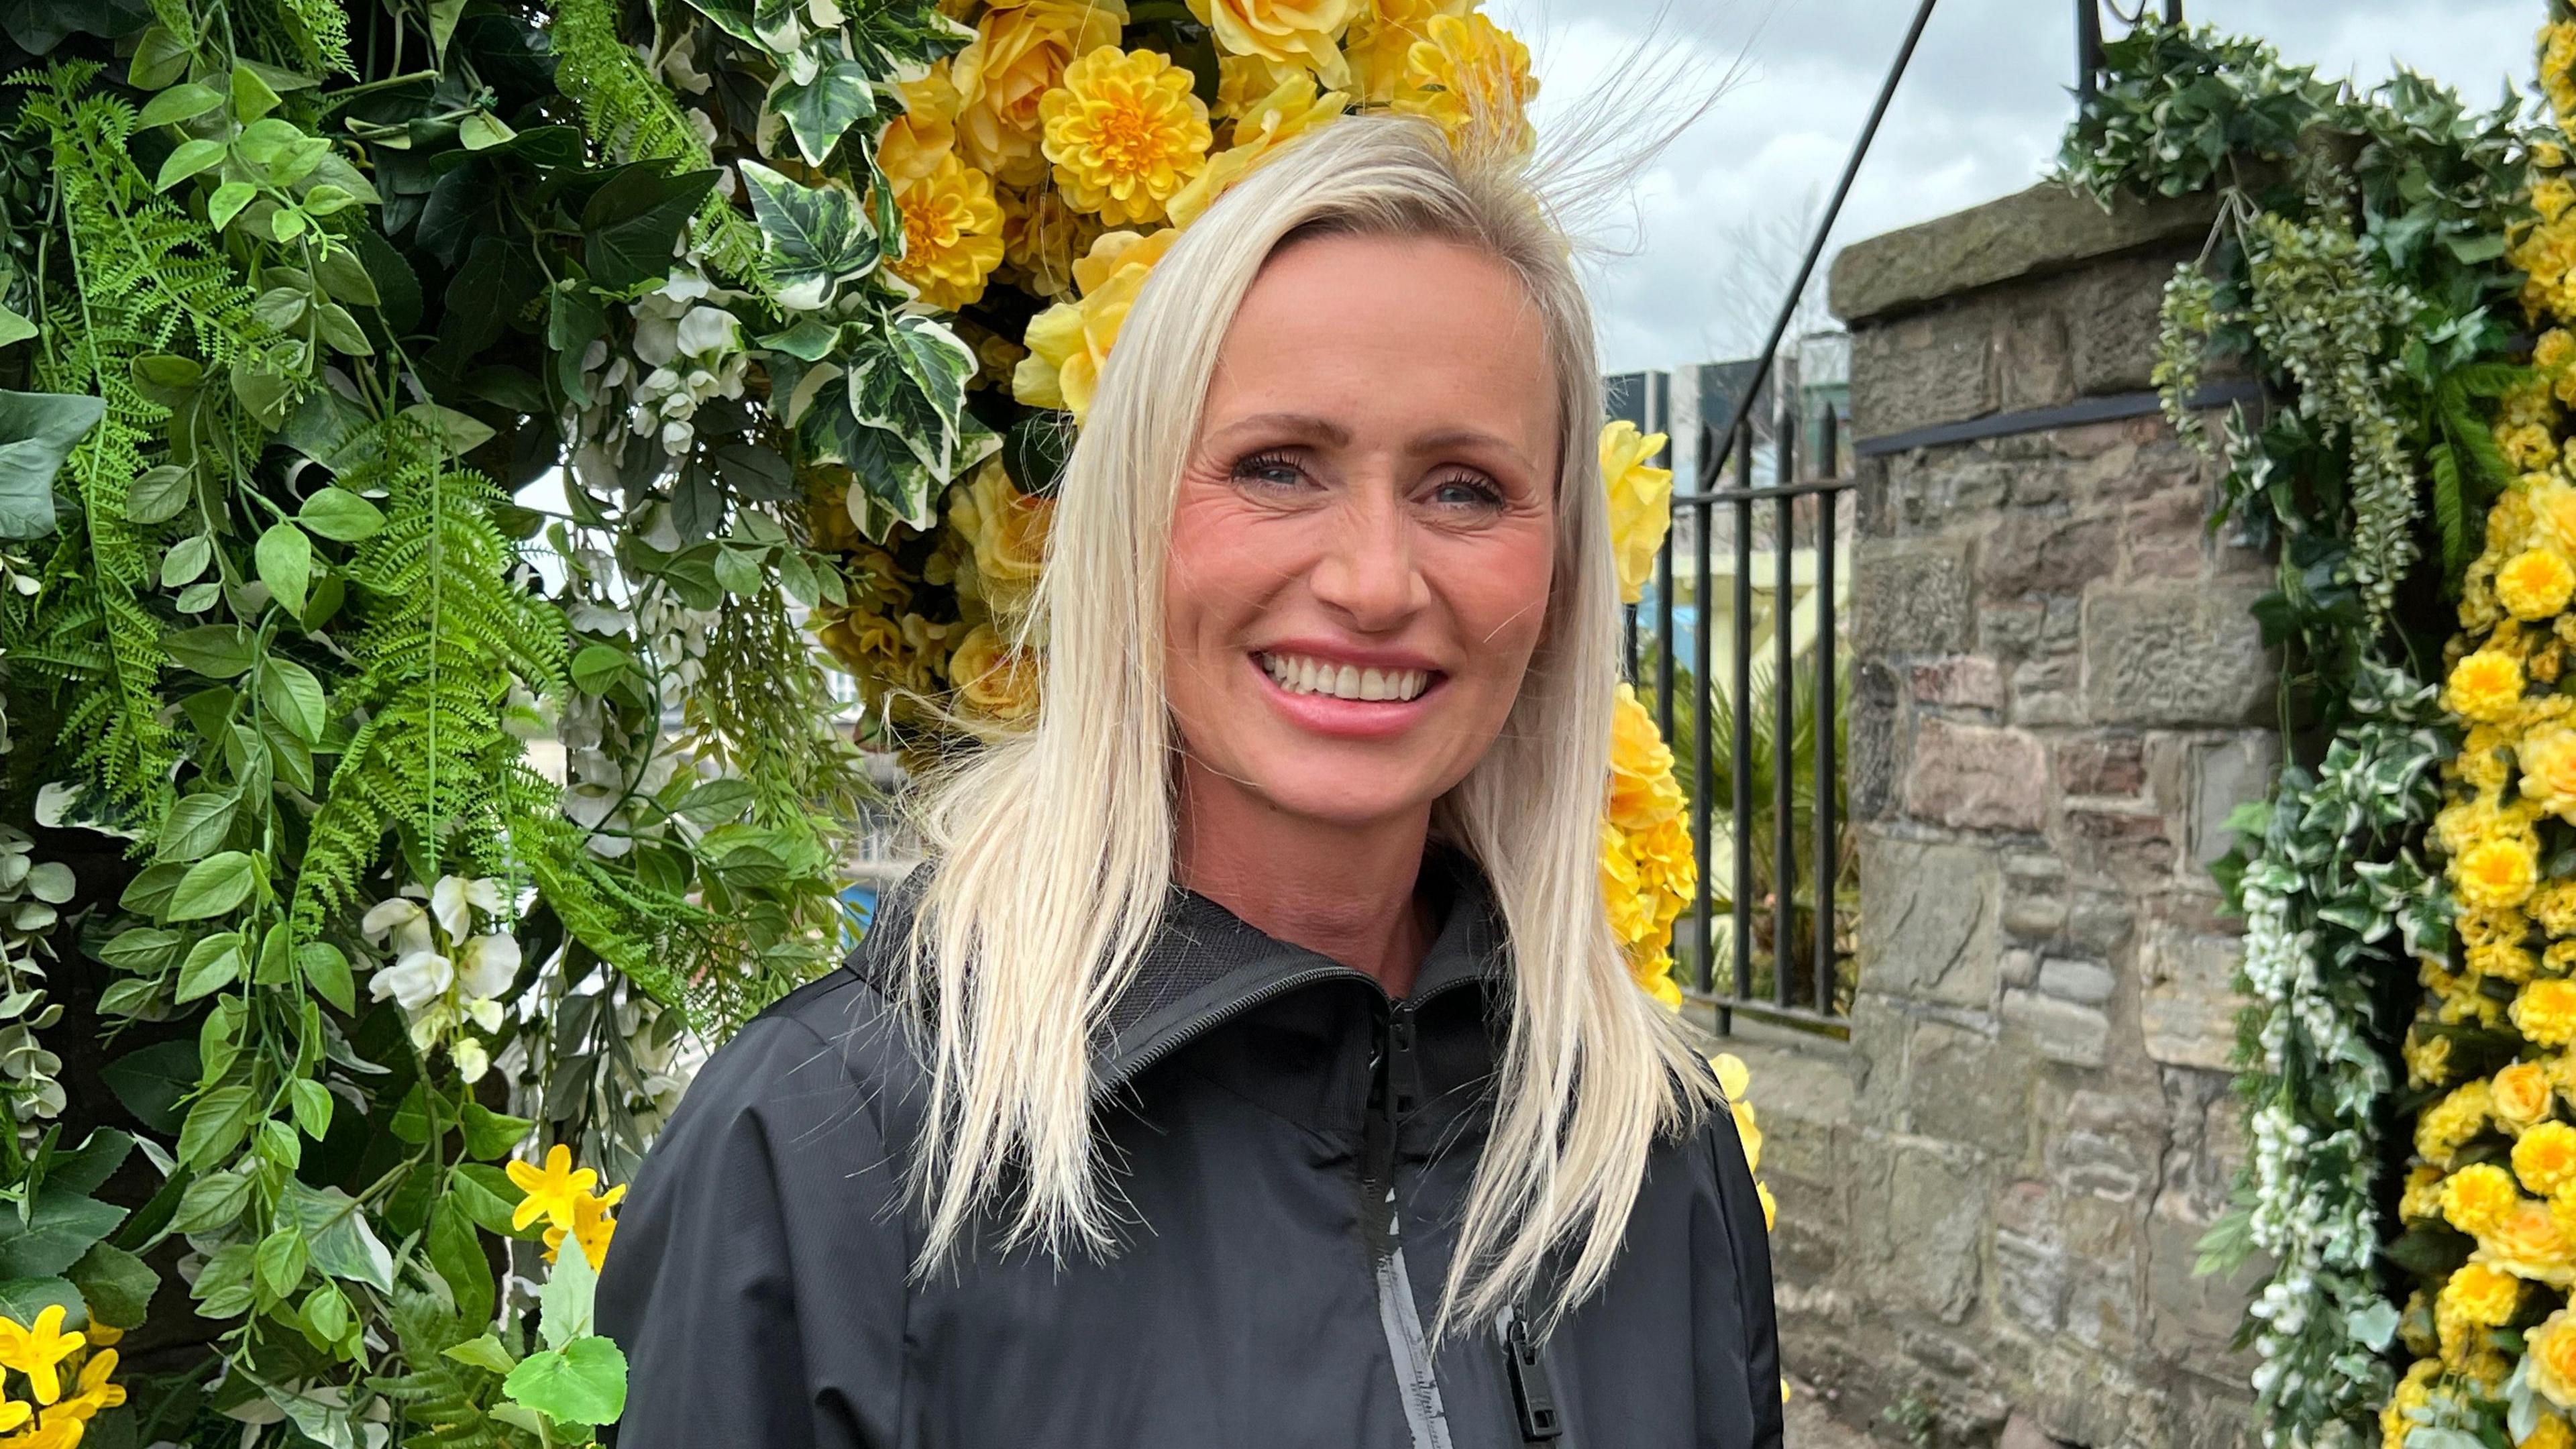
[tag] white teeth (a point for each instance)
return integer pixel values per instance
(1300, 675)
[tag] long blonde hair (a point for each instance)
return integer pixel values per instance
(1055, 843)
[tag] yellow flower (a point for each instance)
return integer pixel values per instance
(1244, 81)
(591, 1226)
(2495, 872)
(2553, 513)
(1470, 74)
(994, 679)
(2485, 685)
(2520, 1094)
(1383, 34)
(2552, 1350)
(952, 234)
(2428, 1059)
(2548, 1432)
(2475, 1297)
(1640, 502)
(2479, 1196)
(2534, 583)
(2554, 907)
(1125, 133)
(2545, 1011)
(34, 1350)
(2421, 1201)
(2544, 1157)
(2528, 1242)
(926, 133)
(1042, 237)
(1284, 32)
(94, 1394)
(2558, 68)
(1069, 342)
(2548, 756)
(2503, 960)
(551, 1190)
(1008, 531)
(1642, 788)
(1265, 125)
(1017, 57)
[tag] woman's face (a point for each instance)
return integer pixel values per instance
(1364, 537)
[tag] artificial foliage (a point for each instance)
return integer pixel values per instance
(2364, 271)
(451, 449)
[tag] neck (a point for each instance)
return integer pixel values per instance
(1346, 892)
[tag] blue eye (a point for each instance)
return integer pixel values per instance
(1470, 491)
(1267, 468)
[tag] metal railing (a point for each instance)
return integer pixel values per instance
(2088, 33)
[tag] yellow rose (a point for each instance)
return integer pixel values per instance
(2553, 513)
(2545, 1011)
(1383, 34)
(2535, 583)
(1264, 126)
(2548, 1432)
(2548, 756)
(2485, 685)
(2495, 872)
(1640, 502)
(952, 234)
(994, 679)
(2528, 1243)
(1017, 57)
(1008, 532)
(1245, 81)
(1124, 132)
(2544, 1156)
(2480, 1196)
(1467, 73)
(2552, 1350)
(2520, 1094)
(1069, 342)
(1284, 32)
(916, 141)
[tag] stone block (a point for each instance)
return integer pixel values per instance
(2042, 230)
(2063, 1031)
(2034, 367)
(2010, 632)
(2161, 535)
(1973, 777)
(2018, 967)
(2101, 765)
(2186, 1006)
(2099, 923)
(2105, 1165)
(2190, 1319)
(2103, 1308)
(1963, 681)
(1936, 1211)
(2224, 776)
(2030, 1281)
(2111, 310)
(1930, 490)
(2034, 552)
(2133, 847)
(2175, 654)
(1968, 1089)
(1910, 598)
(1927, 923)
(2033, 917)
(1937, 366)
(1875, 753)
(2073, 979)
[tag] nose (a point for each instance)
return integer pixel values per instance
(1368, 572)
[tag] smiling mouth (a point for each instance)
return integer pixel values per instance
(1300, 674)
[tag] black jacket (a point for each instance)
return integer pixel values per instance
(1291, 1221)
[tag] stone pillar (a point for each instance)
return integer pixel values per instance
(2059, 695)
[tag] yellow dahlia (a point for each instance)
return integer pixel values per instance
(2548, 756)
(2474, 1297)
(2497, 872)
(1468, 73)
(2535, 583)
(1262, 128)
(1019, 55)
(2544, 1156)
(2558, 68)
(1070, 341)
(2421, 1199)
(2446, 1125)
(1125, 133)
(2485, 685)
(1284, 32)
(2503, 960)
(2548, 1432)
(2545, 1011)
(952, 233)
(1640, 502)
(2554, 907)
(2479, 1196)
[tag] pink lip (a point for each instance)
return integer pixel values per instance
(1350, 719)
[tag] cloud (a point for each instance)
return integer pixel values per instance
(1978, 116)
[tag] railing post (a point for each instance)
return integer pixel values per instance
(2088, 47)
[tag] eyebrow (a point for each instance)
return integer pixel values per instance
(1340, 437)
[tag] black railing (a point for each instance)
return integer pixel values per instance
(2088, 32)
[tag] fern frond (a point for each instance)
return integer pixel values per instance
(442, 1398)
(311, 36)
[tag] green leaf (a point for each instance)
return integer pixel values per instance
(160, 495)
(341, 516)
(910, 381)
(197, 824)
(732, 16)
(574, 320)
(564, 1303)
(328, 970)
(456, 1251)
(214, 1201)
(177, 104)
(281, 1260)
(228, 201)
(268, 393)
(186, 560)
(346, 278)
(213, 964)
(810, 340)
(481, 131)
(150, 1081)
(489, 1197)
(821, 111)
(633, 222)
(23, 1299)
(343, 1245)
(285, 558)
(716, 802)
(816, 235)
(492, 1134)
(38, 430)
(212, 886)
(2475, 250)
(160, 57)
(118, 1285)
(597, 667)
(218, 651)
(459, 433)
(310, 1101)
(186, 160)
(56, 1234)
(252, 96)
(484, 1353)
(583, 1382)
(293, 697)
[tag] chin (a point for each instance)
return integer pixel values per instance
(1345, 797)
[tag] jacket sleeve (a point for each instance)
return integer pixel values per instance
(756, 1279)
(1736, 1286)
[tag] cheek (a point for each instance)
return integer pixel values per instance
(1215, 570)
(1500, 592)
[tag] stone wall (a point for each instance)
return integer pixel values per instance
(1989, 1198)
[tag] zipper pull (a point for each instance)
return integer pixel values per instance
(1403, 1071)
(1532, 1394)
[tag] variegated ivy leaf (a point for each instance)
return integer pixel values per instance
(891, 484)
(777, 25)
(820, 112)
(898, 41)
(731, 16)
(910, 379)
(816, 236)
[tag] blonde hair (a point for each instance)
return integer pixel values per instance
(1055, 843)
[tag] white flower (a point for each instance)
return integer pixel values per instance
(404, 919)
(416, 980)
(453, 893)
(470, 1058)
(708, 329)
(486, 965)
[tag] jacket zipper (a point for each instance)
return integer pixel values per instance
(1533, 1396)
(1394, 1095)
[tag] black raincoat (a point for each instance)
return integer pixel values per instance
(1292, 1150)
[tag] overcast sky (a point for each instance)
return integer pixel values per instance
(1978, 116)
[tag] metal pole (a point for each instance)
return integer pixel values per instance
(1704, 728)
(2088, 48)
(1740, 828)
(1827, 857)
(1784, 699)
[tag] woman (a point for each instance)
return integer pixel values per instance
(1253, 1064)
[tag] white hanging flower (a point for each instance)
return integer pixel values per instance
(402, 919)
(485, 967)
(415, 980)
(449, 899)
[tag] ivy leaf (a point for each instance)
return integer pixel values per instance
(583, 1382)
(910, 381)
(632, 223)
(815, 234)
(343, 1245)
(574, 320)
(37, 432)
(22, 1299)
(733, 17)
(118, 1285)
(212, 886)
(822, 111)
(56, 1234)
(894, 40)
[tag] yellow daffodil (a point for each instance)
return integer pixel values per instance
(35, 1350)
(551, 1190)
(1125, 133)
